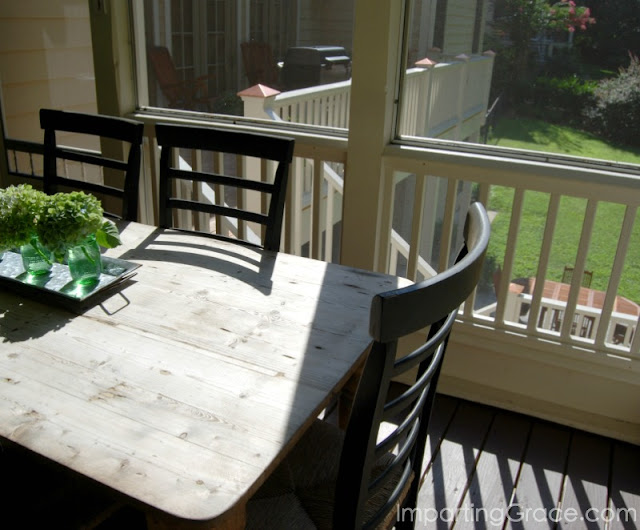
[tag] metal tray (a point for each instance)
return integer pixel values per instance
(57, 285)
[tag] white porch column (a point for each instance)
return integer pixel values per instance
(113, 57)
(114, 73)
(376, 60)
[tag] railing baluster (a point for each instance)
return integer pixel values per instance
(316, 201)
(297, 176)
(149, 187)
(175, 190)
(507, 268)
(395, 252)
(200, 221)
(616, 273)
(241, 196)
(265, 170)
(15, 161)
(416, 227)
(33, 171)
(328, 230)
(218, 190)
(386, 228)
(578, 271)
(447, 224)
(543, 262)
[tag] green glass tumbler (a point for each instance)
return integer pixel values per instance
(36, 259)
(84, 262)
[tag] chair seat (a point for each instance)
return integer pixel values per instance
(300, 493)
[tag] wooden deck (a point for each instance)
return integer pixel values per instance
(480, 461)
(488, 468)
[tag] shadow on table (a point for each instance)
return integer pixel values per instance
(43, 320)
(253, 266)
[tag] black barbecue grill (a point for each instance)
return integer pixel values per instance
(303, 65)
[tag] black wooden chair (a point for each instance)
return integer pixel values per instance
(363, 477)
(119, 197)
(228, 205)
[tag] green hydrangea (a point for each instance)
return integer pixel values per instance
(20, 208)
(66, 220)
(59, 221)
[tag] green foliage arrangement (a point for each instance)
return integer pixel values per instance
(20, 207)
(59, 221)
(67, 219)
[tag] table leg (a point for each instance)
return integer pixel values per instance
(346, 397)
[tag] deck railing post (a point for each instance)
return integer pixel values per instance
(424, 96)
(258, 100)
(462, 94)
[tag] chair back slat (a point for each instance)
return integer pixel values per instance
(101, 127)
(171, 138)
(90, 157)
(432, 304)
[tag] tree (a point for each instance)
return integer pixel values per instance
(617, 33)
(517, 22)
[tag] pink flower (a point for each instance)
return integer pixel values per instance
(572, 3)
(571, 29)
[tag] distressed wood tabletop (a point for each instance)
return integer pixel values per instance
(184, 388)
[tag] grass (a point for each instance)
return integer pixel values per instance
(537, 135)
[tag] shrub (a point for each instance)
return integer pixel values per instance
(564, 100)
(616, 114)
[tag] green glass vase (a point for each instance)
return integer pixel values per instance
(36, 258)
(84, 261)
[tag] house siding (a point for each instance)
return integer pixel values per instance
(328, 23)
(460, 23)
(46, 60)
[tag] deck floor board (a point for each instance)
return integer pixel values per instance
(501, 470)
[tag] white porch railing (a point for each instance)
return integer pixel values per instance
(586, 320)
(324, 105)
(445, 100)
(595, 186)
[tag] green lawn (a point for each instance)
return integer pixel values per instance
(536, 135)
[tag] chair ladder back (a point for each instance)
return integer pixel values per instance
(358, 452)
(102, 127)
(367, 494)
(267, 148)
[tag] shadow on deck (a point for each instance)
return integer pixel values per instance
(488, 468)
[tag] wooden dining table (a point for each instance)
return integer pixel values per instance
(185, 387)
